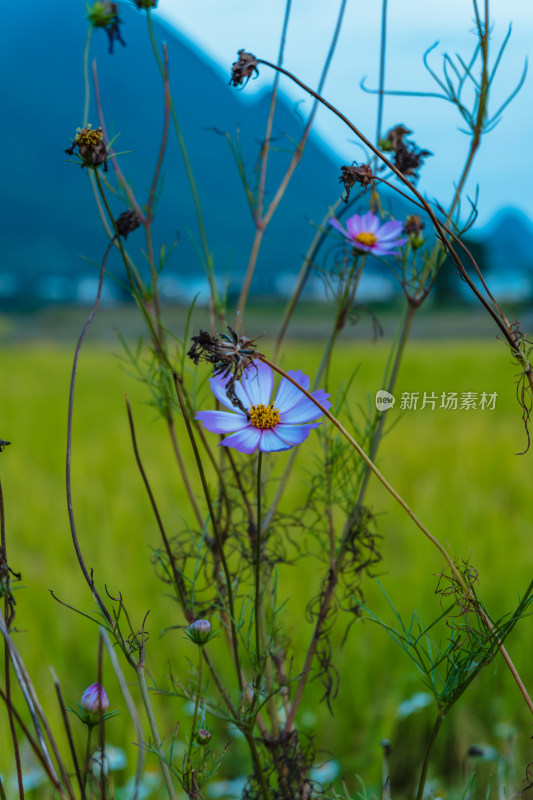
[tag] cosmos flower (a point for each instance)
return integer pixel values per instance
(266, 426)
(368, 235)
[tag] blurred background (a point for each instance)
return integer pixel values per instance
(460, 469)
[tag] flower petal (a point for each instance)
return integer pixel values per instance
(258, 381)
(222, 421)
(306, 410)
(354, 225)
(218, 387)
(370, 223)
(336, 224)
(272, 443)
(295, 434)
(245, 441)
(390, 230)
(288, 394)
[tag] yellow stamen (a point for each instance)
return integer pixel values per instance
(264, 417)
(366, 238)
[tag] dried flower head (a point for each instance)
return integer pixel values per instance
(243, 69)
(408, 157)
(127, 222)
(352, 175)
(228, 354)
(264, 425)
(91, 147)
(368, 235)
(103, 14)
(145, 3)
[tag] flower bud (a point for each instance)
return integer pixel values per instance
(200, 631)
(203, 736)
(94, 701)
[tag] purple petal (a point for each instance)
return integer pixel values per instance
(390, 230)
(370, 223)
(306, 410)
(288, 395)
(272, 443)
(354, 225)
(218, 387)
(258, 382)
(245, 441)
(295, 434)
(222, 422)
(336, 224)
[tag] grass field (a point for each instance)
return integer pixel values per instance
(458, 470)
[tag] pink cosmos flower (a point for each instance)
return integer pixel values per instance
(367, 234)
(267, 426)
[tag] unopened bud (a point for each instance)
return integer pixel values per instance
(94, 701)
(200, 631)
(203, 736)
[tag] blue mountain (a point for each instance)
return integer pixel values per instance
(50, 225)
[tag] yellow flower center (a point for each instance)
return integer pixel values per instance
(264, 417)
(88, 138)
(366, 238)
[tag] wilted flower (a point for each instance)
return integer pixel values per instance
(352, 175)
(243, 69)
(263, 425)
(127, 222)
(407, 155)
(103, 14)
(91, 147)
(94, 701)
(199, 631)
(368, 234)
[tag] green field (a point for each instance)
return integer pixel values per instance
(457, 469)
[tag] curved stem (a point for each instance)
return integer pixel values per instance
(72, 522)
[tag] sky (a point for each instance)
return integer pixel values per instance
(503, 168)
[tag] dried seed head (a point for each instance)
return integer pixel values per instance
(407, 155)
(145, 3)
(352, 175)
(91, 147)
(127, 222)
(243, 69)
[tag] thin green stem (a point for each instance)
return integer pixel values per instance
(87, 90)
(141, 677)
(87, 757)
(258, 571)
(195, 715)
(429, 749)
(382, 52)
